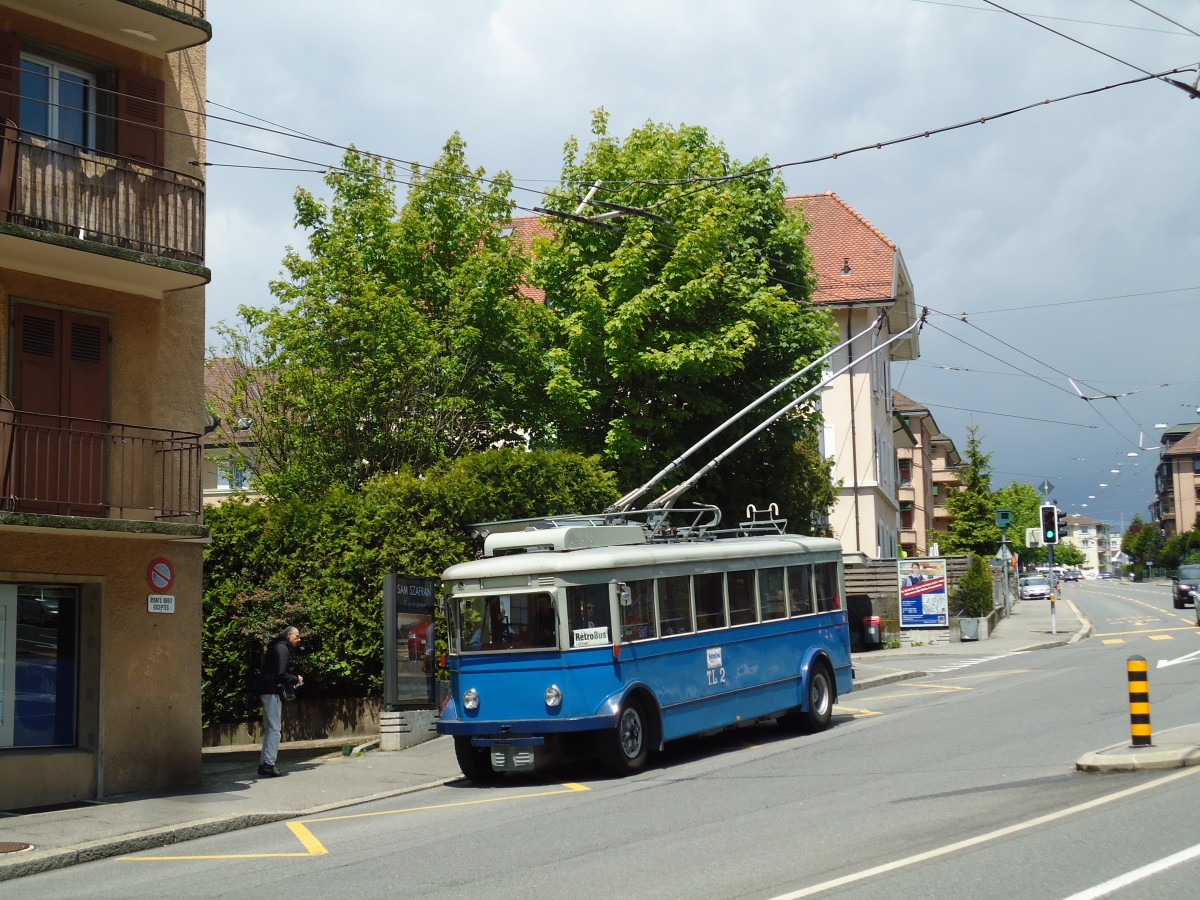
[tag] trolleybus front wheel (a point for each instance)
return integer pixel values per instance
(475, 762)
(624, 750)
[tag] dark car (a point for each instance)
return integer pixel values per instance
(1072, 575)
(1106, 574)
(1184, 583)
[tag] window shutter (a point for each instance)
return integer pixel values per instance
(10, 77)
(140, 118)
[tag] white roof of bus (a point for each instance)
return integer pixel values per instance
(640, 555)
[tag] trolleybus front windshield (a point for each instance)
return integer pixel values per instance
(506, 621)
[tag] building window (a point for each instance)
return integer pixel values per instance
(60, 100)
(39, 657)
(232, 476)
(906, 515)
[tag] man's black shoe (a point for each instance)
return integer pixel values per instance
(269, 772)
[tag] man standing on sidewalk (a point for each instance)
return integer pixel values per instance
(275, 683)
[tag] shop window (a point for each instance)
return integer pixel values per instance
(39, 665)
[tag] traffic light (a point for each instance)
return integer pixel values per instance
(1049, 514)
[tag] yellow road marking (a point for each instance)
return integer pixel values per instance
(1191, 628)
(1161, 637)
(856, 712)
(313, 847)
(1114, 641)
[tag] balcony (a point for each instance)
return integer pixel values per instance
(141, 227)
(157, 27)
(60, 466)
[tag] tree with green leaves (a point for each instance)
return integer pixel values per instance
(680, 311)
(972, 509)
(1023, 501)
(399, 339)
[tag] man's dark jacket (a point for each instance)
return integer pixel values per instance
(275, 663)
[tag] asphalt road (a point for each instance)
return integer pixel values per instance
(961, 784)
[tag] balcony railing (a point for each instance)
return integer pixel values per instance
(57, 465)
(190, 7)
(66, 189)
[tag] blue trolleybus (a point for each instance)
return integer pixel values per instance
(595, 635)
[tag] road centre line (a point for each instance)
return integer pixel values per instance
(1122, 881)
(989, 836)
(313, 847)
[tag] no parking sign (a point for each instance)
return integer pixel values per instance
(160, 575)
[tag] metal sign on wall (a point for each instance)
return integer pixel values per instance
(408, 642)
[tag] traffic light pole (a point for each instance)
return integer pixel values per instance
(1054, 575)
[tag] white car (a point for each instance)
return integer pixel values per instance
(1033, 587)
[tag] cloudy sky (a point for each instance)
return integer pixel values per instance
(1057, 248)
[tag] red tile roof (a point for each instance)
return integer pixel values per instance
(840, 238)
(853, 259)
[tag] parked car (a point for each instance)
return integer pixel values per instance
(1033, 587)
(39, 608)
(1106, 575)
(1184, 583)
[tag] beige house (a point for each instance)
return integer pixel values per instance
(1091, 538)
(860, 273)
(1177, 480)
(101, 398)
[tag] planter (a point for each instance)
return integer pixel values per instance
(974, 629)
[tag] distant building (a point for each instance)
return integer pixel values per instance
(1092, 539)
(1177, 480)
(927, 472)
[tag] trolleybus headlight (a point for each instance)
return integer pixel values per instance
(470, 699)
(553, 696)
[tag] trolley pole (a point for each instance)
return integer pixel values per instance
(1139, 701)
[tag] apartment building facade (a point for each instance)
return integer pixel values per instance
(102, 281)
(1177, 480)
(860, 274)
(1091, 538)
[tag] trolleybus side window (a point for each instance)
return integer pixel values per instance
(800, 591)
(675, 605)
(770, 593)
(588, 616)
(741, 597)
(827, 587)
(637, 619)
(710, 600)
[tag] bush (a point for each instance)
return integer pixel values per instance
(973, 597)
(320, 565)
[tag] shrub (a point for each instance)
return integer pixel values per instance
(973, 597)
(319, 565)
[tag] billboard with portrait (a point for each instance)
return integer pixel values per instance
(923, 601)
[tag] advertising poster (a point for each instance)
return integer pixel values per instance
(923, 602)
(408, 641)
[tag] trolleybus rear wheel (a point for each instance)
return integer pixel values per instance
(820, 704)
(624, 750)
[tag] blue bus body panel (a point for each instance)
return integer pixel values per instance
(700, 681)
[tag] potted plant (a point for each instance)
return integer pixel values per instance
(973, 599)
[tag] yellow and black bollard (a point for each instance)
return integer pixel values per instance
(1139, 701)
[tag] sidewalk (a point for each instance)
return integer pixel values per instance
(321, 778)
